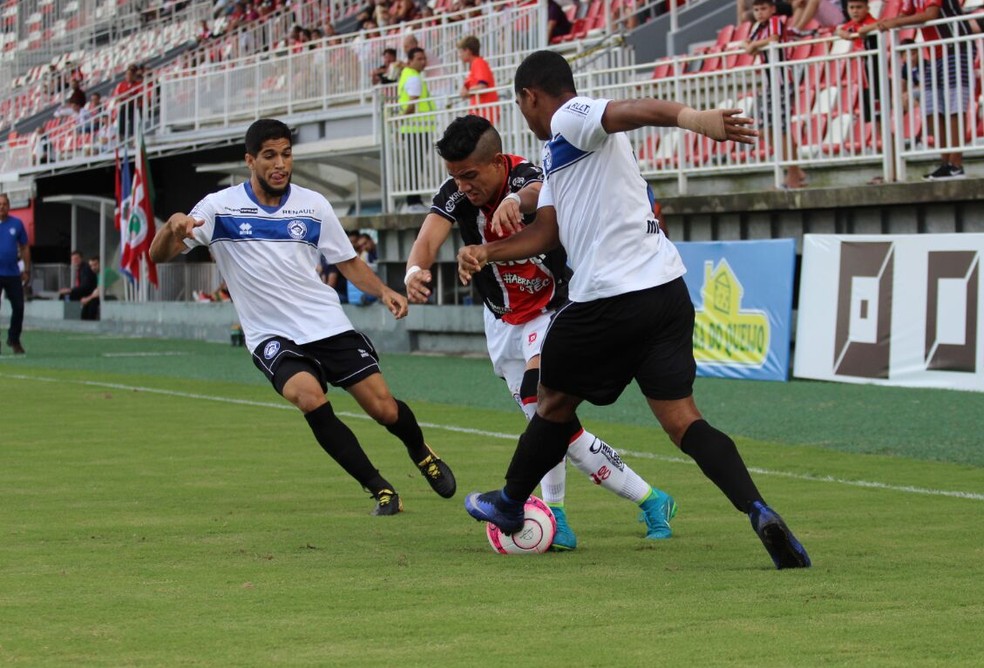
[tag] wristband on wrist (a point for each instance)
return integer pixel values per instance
(410, 272)
(514, 197)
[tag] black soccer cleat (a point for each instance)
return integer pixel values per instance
(779, 541)
(438, 474)
(387, 503)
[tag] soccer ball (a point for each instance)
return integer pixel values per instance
(534, 538)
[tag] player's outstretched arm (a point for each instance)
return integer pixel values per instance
(718, 124)
(432, 234)
(508, 216)
(363, 277)
(538, 237)
(169, 240)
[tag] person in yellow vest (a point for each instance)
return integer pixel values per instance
(416, 103)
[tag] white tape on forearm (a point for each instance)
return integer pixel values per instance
(410, 272)
(514, 197)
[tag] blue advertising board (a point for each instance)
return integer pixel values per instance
(743, 294)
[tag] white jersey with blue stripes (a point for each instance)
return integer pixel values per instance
(267, 256)
(604, 207)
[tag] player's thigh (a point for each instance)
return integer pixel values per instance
(667, 367)
(588, 353)
(280, 360)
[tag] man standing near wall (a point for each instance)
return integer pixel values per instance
(13, 248)
(415, 132)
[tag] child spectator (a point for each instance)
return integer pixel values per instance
(768, 29)
(860, 30)
(949, 87)
(479, 86)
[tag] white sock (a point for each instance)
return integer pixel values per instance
(600, 462)
(554, 484)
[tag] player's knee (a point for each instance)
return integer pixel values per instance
(383, 410)
(305, 393)
(555, 406)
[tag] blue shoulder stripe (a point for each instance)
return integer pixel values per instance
(248, 228)
(562, 154)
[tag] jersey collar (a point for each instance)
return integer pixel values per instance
(268, 209)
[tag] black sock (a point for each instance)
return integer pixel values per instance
(527, 387)
(717, 456)
(338, 441)
(540, 448)
(407, 430)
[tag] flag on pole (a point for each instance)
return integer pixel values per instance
(139, 228)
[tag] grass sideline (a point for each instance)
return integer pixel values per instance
(162, 506)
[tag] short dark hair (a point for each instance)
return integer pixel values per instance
(465, 134)
(263, 130)
(413, 52)
(547, 71)
(763, 2)
(470, 43)
(76, 252)
(389, 52)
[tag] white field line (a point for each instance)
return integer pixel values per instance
(906, 489)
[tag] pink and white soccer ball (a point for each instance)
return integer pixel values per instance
(534, 538)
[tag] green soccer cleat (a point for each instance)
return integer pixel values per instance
(564, 540)
(657, 511)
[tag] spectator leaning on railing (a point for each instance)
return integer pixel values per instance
(949, 86)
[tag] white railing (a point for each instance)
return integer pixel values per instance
(825, 117)
(327, 74)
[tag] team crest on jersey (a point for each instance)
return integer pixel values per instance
(518, 182)
(297, 229)
(547, 160)
(271, 349)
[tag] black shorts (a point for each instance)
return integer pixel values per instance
(594, 349)
(341, 360)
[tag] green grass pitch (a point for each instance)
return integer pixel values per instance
(161, 506)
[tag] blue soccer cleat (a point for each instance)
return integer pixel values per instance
(564, 540)
(779, 541)
(657, 511)
(494, 507)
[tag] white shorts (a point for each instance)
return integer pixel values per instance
(511, 347)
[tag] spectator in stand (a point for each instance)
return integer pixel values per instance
(479, 86)
(558, 24)
(403, 10)
(417, 106)
(827, 13)
(768, 29)
(89, 120)
(389, 71)
(950, 86)
(204, 32)
(745, 10)
(909, 74)
(860, 30)
(380, 13)
(128, 100)
(426, 12)
(81, 277)
(77, 95)
(410, 42)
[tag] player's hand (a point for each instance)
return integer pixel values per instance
(507, 219)
(736, 128)
(183, 226)
(395, 302)
(417, 290)
(471, 259)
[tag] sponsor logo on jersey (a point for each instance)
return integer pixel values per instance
(245, 230)
(248, 209)
(579, 108)
(531, 339)
(518, 181)
(453, 201)
(297, 229)
(530, 285)
(271, 349)
(363, 353)
(296, 212)
(600, 446)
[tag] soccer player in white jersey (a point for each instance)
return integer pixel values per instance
(266, 236)
(629, 315)
(489, 196)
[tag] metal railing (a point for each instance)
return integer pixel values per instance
(834, 108)
(327, 74)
